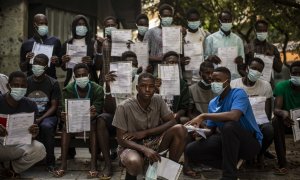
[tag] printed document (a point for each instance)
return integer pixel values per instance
(17, 127)
(295, 116)
(227, 56)
(42, 49)
(195, 52)
(172, 39)
(170, 82)
(120, 39)
(76, 54)
(168, 169)
(258, 107)
(78, 115)
(142, 52)
(123, 81)
(268, 69)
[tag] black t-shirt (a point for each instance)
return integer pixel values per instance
(25, 106)
(43, 92)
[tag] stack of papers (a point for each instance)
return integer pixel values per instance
(200, 131)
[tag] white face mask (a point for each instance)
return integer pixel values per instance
(18, 93)
(226, 26)
(295, 80)
(166, 21)
(81, 30)
(42, 30)
(38, 70)
(261, 36)
(108, 30)
(142, 30)
(253, 75)
(82, 81)
(194, 24)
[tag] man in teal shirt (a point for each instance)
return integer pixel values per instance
(225, 38)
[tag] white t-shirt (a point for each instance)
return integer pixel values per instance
(260, 88)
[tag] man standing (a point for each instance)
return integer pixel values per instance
(45, 92)
(145, 127)
(260, 45)
(142, 23)
(195, 34)
(225, 38)
(287, 97)
(40, 31)
(239, 137)
(104, 48)
(21, 156)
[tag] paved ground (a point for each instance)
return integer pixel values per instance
(78, 168)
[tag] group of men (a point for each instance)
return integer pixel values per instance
(144, 123)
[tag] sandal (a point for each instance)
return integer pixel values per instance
(59, 173)
(105, 177)
(192, 174)
(280, 171)
(92, 174)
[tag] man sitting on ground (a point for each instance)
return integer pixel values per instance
(256, 87)
(287, 97)
(82, 88)
(145, 127)
(200, 93)
(45, 91)
(239, 137)
(21, 156)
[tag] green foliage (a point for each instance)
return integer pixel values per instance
(283, 16)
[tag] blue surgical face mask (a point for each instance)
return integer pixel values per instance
(261, 36)
(42, 30)
(295, 80)
(226, 26)
(38, 70)
(81, 30)
(166, 21)
(217, 87)
(82, 81)
(18, 93)
(194, 24)
(253, 75)
(142, 30)
(108, 30)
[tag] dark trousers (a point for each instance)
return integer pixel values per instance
(268, 133)
(46, 136)
(279, 141)
(225, 149)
